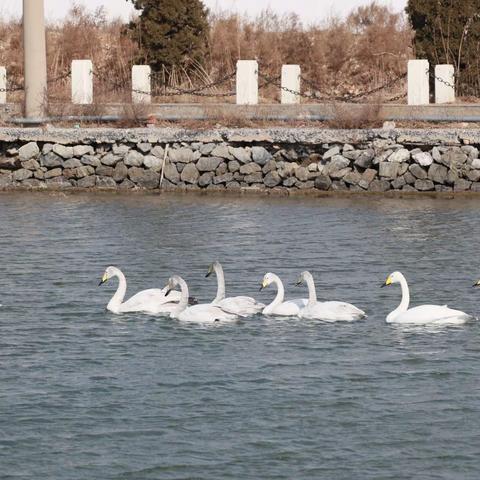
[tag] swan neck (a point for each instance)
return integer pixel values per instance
(119, 295)
(220, 284)
(183, 303)
(312, 292)
(404, 304)
(278, 300)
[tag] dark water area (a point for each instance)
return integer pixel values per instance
(85, 394)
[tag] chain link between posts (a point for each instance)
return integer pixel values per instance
(441, 80)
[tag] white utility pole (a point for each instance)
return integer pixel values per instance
(35, 59)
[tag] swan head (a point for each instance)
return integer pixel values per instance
(213, 268)
(395, 277)
(171, 284)
(477, 284)
(268, 279)
(109, 273)
(304, 276)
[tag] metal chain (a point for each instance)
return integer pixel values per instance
(441, 80)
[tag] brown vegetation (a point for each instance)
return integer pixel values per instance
(339, 58)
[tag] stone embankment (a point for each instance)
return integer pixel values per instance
(273, 160)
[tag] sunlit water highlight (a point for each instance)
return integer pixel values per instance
(86, 394)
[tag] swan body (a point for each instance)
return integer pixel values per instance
(242, 306)
(423, 314)
(153, 300)
(202, 313)
(290, 308)
(327, 311)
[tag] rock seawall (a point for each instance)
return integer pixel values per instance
(270, 160)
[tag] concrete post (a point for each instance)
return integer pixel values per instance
(82, 82)
(3, 85)
(141, 84)
(418, 82)
(291, 80)
(35, 58)
(444, 91)
(247, 82)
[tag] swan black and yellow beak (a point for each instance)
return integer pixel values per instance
(299, 282)
(210, 271)
(263, 285)
(103, 280)
(387, 283)
(477, 284)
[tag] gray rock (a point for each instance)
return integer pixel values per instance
(171, 173)
(63, 151)
(378, 186)
(312, 167)
(475, 187)
(233, 166)
(261, 155)
(22, 174)
(158, 152)
(409, 178)
(206, 179)
(443, 188)
(409, 188)
(424, 185)
(270, 166)
(84, 171)
(144, 147)
(323, 182)
(12, 152)
(81, 150)
(337, 163)
(221, 169)
(31, 164)
(471, 151)
(352, 154)
(132, 159)
(453, 157)
(55, 172)
(33, 183)
(476, 164)
(437, 173)
(58, 183)
(222, 151)
(6, 180)
(106, 183)
(365, 159)
(418, 172)
(28, 151)
(398, 183)
(190, 174)
(241, 154)
(424, 159)
(254, 178)
(129, 185)
(120, 150)
(288, 182)
(452, 177)
(120, 172)
(400, 156)
(436, 154)
(225, 178)
(144, 178)
(111, 160)
(352, 178)
(306, 185)
(339, 186)
(104, 171)
(90, 160)
(233, 186)
(39, 174)
(207, 148)
(389, 170)
(367, 178)
(153, 162)
(302, 174)
(250, 168)
(474, 175)
(272, 179)
(208, 164)
(462, 185)
(338, 174)
(51, 160)
(331, 153)
(87, 182)
(72, 163)
(181, 155)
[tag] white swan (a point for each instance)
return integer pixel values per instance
(423, 314)
(327, 311)
(242, 306)
(289, 308)
(202, 313)
(153, 301)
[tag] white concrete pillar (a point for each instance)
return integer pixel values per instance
(35, 59)
(82, 82)
(444, 91)
(291, 81)
(247, 82)
(3, 85)
(418, 82)
(141, 84)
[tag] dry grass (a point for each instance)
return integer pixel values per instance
(340, 56)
